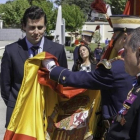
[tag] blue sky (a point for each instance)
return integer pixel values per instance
(3, 1)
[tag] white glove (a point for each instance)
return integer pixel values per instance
(48, 64)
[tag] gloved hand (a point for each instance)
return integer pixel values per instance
(48, 64)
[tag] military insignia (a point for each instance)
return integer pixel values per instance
(118, 119)
(64, 78)
(125, 112)
(123, 121)
(125, 29)
(106, 63)
(137, 90)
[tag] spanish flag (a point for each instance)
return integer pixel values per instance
(45, 110)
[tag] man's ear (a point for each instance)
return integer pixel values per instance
(125, 36)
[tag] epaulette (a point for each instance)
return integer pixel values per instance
(107, 63)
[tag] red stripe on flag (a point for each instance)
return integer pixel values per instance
(10, 135)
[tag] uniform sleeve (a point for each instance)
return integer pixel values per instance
(101, 78)
(62, 60)
(5, 76)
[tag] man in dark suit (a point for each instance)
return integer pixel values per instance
(12, 68)
(110, 76)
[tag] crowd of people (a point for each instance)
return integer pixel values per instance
(117, 80)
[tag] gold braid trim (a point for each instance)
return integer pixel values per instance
(107, 63)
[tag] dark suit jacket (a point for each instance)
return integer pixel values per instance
(12, 68)
(114, 84)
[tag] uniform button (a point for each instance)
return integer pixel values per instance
(64, 78)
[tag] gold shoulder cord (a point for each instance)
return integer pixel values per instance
(105, 63)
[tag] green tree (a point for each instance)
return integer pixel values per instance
(13, 12)
(83, 4)
(74, 17)
(32, 1)
(117, 6)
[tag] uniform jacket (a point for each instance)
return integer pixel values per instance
(98, 53)
(114, 84)
(128, 126)
(12, 69)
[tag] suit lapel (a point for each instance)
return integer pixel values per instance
(23, 50)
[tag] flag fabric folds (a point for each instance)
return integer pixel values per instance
(45, 110)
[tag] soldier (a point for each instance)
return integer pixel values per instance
(98, 53)
(126, 124)
(110, 76)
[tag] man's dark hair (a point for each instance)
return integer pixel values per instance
(33, 12)
(134, 40)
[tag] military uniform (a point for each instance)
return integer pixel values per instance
(126, 125)
(98, 53)
(109, 77)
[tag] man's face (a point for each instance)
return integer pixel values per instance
(131, 59)
(34, 30)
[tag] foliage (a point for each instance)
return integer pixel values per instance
(32, 1)
(74, 17)
(83, 4)
(117, 6)
(97, 37)
(13, 12)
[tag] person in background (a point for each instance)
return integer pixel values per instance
(126, 124)
(85, 61)
(86, 39)
(12, 67)
(98, 53)
(106, 42)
